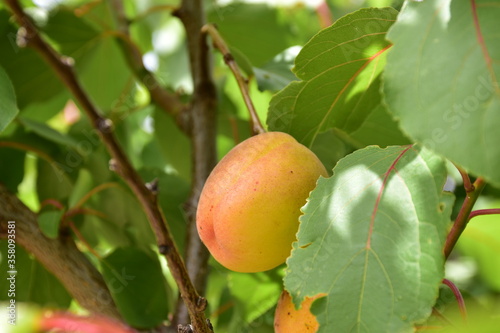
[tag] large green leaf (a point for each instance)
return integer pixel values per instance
(441, 80)
(7, 101)
(137, 285)
(339, 69)
(371, 239)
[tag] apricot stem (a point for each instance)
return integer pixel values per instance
(219, 43)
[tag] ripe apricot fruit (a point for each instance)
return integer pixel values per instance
(289, 320)
(249, 209)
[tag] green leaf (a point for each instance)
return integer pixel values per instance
(82, 186)
(71, 34)
(256, 30)
(137, 285)
(254, 295)
(32, 78)
(330, 149)
(8, 103)
(48, 132)
(277, 73)
(49, 222)
(105, 75)
(175, 145)
(339, 69)
(441, 80)
(371, 238)
(11, 168)
(52, 181)
(122, 224)
(379, 129)
(34, 283)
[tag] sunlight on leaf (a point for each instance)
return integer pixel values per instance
(374, 246)
(441, 80)
(339, 69)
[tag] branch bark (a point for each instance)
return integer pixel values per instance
(28, 35)
(60, 256)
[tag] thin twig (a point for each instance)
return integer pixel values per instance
(242, 82)
(82, 239)
(480, 212)
(458, 297)
(93, 191)
(463, 216)
(120, 163)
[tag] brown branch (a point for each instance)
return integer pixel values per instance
(163, 98)
(202, 114)
(60, 256)
(242, 82)
(472, 193)
(28, 34)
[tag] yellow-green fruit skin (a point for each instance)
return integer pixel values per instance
(289, 320)
(249, 208)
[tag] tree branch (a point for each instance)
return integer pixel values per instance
(60, 256)
(242, 82)
(202, 115)
(29, 36)
(472, 193)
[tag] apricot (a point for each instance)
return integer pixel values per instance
(249, 209)
(287, 319)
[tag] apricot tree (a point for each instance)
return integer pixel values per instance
(379, 188)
